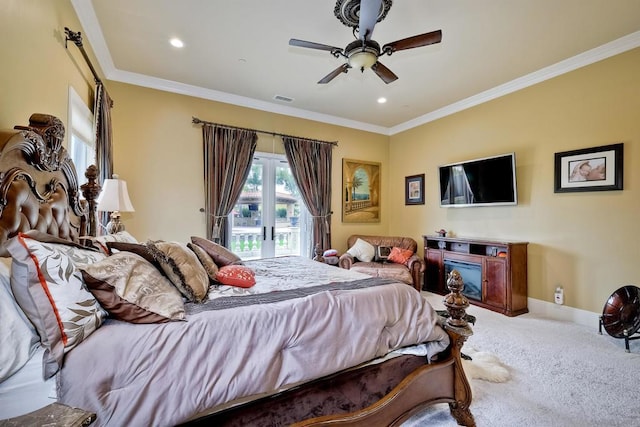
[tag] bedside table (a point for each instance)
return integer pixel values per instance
(54, 415)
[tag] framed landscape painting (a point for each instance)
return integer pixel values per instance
(360, 191)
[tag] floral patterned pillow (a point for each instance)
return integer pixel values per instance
(236, 275)
(399, 255)
(48, 286)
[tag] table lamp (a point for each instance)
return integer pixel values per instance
(114, 198)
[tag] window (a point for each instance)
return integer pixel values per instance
(80, 133)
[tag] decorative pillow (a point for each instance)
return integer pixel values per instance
(207, 262)
(133, 290)
(362, 250)
(220, 255)
(382, 253)
(48, 286)
(136, 248)
(236, 275)
(18, 337)
(399, 255)
(330, 253)
(182, 267)
(101, 242)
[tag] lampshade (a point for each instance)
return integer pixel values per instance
(362, 60)
(114, 196)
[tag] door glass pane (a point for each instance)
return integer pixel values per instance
(247, 225)
(287, 212)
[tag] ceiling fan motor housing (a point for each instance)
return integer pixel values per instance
(348, 11)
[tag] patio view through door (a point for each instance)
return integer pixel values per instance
(269, 218)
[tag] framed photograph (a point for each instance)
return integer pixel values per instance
(360, 191)
(414, 190)
(589, 169)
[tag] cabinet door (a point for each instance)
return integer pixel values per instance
(433, 274)
(495, 282)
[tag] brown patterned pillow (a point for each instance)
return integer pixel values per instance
(182, 267)
(133, 290)
(137, 248)
(207, 262)
(220, 255)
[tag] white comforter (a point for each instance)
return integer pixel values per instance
(139, 375)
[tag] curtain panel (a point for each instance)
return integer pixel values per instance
(104, 140)
(310, 163)
(228, 154)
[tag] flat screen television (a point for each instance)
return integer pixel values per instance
(489, 181)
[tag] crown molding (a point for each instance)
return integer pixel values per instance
(623, 44)
(89, 21)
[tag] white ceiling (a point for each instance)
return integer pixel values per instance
(237, 51)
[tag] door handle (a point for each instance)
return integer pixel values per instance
(264, 233)
(273, 233)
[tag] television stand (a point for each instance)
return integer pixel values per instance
(494, 272)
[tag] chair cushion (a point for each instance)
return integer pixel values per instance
(398, 272)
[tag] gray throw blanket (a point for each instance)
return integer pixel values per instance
(277, 296)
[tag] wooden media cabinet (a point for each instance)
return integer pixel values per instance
(494, 272)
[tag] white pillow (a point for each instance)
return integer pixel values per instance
(47, 284)
(18, 338)
(362, 250)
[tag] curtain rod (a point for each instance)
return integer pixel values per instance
(76, 38)
(196, 120)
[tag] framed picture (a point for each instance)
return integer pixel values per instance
(414, 190)
(589, 169)
(360, 191)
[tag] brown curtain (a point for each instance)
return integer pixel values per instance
(104, 145)
(227, 162)
(310, 163)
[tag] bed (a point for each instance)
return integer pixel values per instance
(308, 344)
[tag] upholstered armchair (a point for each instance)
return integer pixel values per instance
(409, 272)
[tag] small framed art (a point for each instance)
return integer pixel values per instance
(589, 169)
(414, 190)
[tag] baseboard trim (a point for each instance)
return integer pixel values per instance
(563, 312)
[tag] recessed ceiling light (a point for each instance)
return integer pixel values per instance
(382, 100)
(176, 42)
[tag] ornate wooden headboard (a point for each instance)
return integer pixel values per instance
(38, 183)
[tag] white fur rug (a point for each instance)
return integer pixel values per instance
(484, 366)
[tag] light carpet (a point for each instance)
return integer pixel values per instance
(561, 375)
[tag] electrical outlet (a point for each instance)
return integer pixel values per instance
(559, 295)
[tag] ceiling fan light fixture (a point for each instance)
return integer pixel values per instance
(362, 60)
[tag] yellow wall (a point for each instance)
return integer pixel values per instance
(36, 69)
(586, 242)
(158, 151)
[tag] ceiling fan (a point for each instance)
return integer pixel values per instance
(363, 53)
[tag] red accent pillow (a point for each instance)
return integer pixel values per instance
(399, 255)
(236, 275)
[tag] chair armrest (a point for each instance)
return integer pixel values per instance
(415, 263)
(346, 261)
(416, 267)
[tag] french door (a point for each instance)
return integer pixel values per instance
(269, 218)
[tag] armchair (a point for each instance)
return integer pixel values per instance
(409, 273)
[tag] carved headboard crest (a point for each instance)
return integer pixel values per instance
(38, 182)
(46, 151)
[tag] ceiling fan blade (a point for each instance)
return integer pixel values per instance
(384, 73)
(332, 75)
(312, 45)
(369, 12)
(415, 41)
